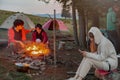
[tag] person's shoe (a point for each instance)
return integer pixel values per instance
(72, 78)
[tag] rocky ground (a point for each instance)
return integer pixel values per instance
(68, 60)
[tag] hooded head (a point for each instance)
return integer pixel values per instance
(110, 9)
(97, 34)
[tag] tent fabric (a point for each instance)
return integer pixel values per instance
(8, 23)
(58, 23)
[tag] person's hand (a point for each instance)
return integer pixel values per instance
(32, 29)
(82, 52)
(21, 43)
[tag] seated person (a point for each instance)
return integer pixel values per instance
(39, 35)
(16, 35)
(104, 58)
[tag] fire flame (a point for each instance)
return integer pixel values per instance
(37, 49)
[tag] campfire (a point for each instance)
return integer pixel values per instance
(33, 56)
(37, 49)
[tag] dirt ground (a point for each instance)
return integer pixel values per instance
(68, 60)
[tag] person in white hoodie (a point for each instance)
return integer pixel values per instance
(104, 58)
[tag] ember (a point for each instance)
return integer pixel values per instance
(34, 56)
(37, 49)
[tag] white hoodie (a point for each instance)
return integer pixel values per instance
(105, 49)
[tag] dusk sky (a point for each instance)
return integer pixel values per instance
(30, 6)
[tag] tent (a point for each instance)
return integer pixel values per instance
(28, 24)
(59, 25)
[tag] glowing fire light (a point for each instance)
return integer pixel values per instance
(37, 49)
(35, 52)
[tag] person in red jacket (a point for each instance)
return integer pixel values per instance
(17, 35)
(39, 35)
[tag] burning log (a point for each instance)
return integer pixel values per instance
(37, 49)
(34, 53)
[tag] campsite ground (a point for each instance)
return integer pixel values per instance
(64, 57)
(68, 59)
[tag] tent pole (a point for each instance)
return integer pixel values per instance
(54, 37)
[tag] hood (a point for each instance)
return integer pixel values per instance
(97, 34)
(110, 9)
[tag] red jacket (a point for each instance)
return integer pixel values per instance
(43, 34)
(11, 34)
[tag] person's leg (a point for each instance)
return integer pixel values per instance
(11, 48)
(79, 68)
(86, 65)
(78, 76)
(15, 47)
